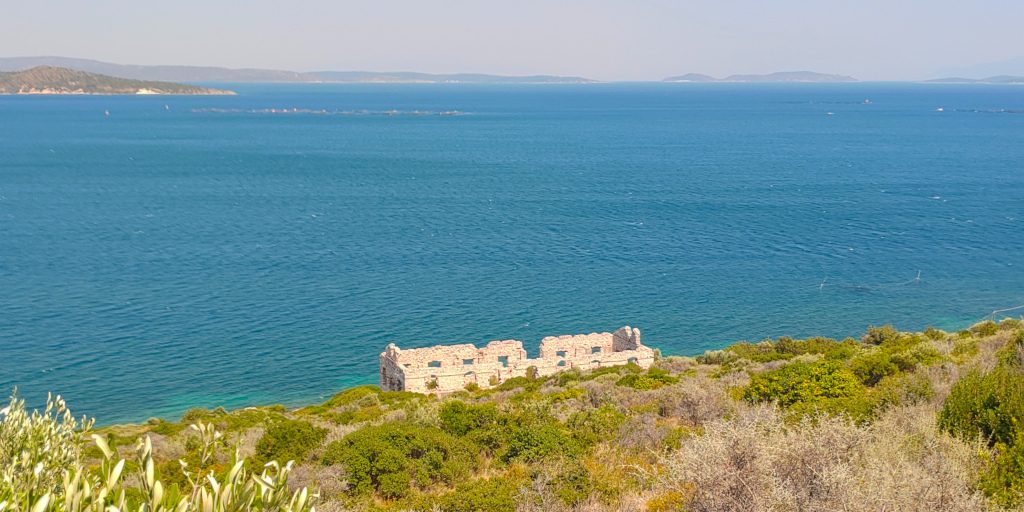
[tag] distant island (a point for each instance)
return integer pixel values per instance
(218, 74)
(784, 76)
(468, 78)
(1002, 79)
(53, 80)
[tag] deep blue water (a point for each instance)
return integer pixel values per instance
(156, 259)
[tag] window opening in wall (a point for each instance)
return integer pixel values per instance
(407, 365)
(434, 364)
(561, 363)
(596, 361)
(503, 360)
(560, 353)
(469, 373)
(467, 361)
(632, 360)
(595, 350)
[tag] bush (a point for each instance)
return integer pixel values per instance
(459, 418)
(872, 368)
(879, 335)
(1004, 480)
(391, 457)
(36, 447)
(288, 440)
(1012, 354)
(717, 357)
(531, 443)
(817, 345)
(486, 495)
(519, 382)
(985, 405)
(1011, 324)
(986, 328)
(934, 334)
(653, 379)
(593, 425)
(803, 382)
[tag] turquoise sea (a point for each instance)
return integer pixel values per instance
(169, 255)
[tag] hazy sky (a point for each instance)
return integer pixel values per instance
(608, 40)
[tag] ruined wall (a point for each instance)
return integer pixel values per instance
(448, 368)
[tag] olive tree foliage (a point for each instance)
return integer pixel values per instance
(43, 469)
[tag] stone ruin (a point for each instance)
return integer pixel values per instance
(445, 369)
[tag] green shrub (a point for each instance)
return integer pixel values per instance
(923, 355)
(472, 387)
(965, 347)
(986, 405)
(653, 379)
(391, 457)
(531, 443)
(566, 395)
(803, 382)
(194, 415)
(1011, 324)
(767, 358)
(872, 368)
(567, 377)
(573, 484)
(485, 495)
(934, 334)
(816, 345)
(356, 416)
(459, 418)
(624, 369)
(879, 335)
(288, 440)
(986, 328)
(1004, 480)
(746, 350)
(1012, 353)
(719, 357)
(519, 382)
(167, 429)
(593, 425)
(842, 352)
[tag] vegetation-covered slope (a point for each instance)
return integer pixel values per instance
(892, 421)
(51, 80)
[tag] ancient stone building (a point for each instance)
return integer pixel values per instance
(448, 368)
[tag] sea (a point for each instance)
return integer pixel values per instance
(159, 253)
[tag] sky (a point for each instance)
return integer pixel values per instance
(599, 39)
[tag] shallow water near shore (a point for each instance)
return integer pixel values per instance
(203, 251)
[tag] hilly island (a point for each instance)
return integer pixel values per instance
(52, 80)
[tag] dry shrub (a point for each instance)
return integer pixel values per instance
(329, 481)
(756, 462)
(676, 364)
(987, 348)
(644, 432)
(695, 401)
(247, 440)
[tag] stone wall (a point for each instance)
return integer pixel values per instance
(448, 368)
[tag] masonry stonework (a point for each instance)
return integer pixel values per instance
(448, 368)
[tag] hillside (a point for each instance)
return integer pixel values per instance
(890, 421)
(474, 78)
(220, 74)
(50, 80)
(783, 76)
